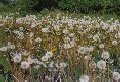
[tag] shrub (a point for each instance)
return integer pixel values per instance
(36, 5)
(87, 6)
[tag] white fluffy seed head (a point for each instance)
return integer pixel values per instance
(24, 65)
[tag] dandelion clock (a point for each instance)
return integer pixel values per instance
(84, 78)
(116, 76)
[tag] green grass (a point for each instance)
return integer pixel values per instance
(4, 62)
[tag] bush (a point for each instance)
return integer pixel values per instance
(36, 5)
(2, 8)
(88, 6)
(84, 6)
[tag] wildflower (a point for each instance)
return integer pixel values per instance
(25, 65)
(21, 28)
(82, 50)
(63, 65)
(57, 28)
(72, 43)
(38, 39)
(67, 39)
(49, 54)
(92, 65)
(31, 34)
(12, 47)
(101, 46)
(35, 60)
(36, 66)
(90, 49)
(17, 59)
(4, 48)
(104, 25)
(51, 64)
(117, 35)
(70, 22)
(65, 31)
(116, 75)
(57, 65)
(30, 60)
(45, 30)
(101, 64)
(96, 37)
(33, 25)
(25, 53)
(67, 46)
(87, 57)
(71, 35)
(44, 58)
(84, 78)
(105, 55)
(20, 34)
(114, 43)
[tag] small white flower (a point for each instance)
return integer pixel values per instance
(45, 30)
(25, 53)
(38, 39)
(9, 44)
(4, 49)
(17, 58)
(57, 28)
(70, 22)
(65, 31)
(49, 54)
(35, 60)
(90, 49)
(101, 64)
(67, 46)
(116, 75)
(63, 65)
(31, 34)
(93, 65)
(84, 78)
(71, 35)
(87, 57)
(20, 34)
(44, 58)
(40, 63)
(30, 60)
(57, 65)
(21, 28)
(12, 47)
(72, 43)
(24, 65)
(117, 35)
(51, 64)
(82, 50)
(114, 43)
(33, 25)
(66, 40)
(101, 46)
(96, 37)
(36, 66)
(104, 25)
(105, 55)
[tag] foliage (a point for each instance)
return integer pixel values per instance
(84, 6)
(87, 6)
(35, 5)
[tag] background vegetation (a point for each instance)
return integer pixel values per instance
(78, 6)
